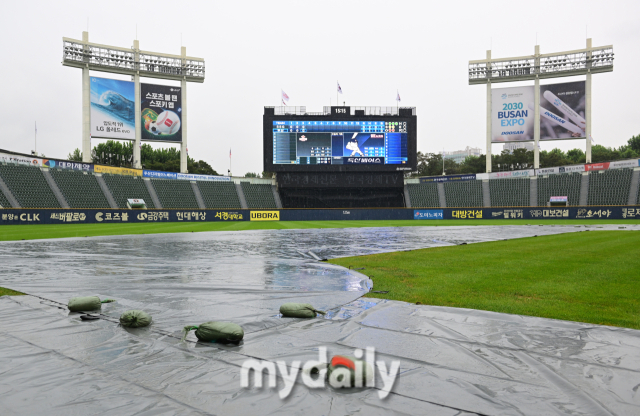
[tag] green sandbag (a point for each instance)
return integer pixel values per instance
(299, 310)
(135, 319)
(222, 332)
(86, 303)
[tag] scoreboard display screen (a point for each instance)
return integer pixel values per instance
(339, 145)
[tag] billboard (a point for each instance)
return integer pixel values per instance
(562, 111)
(512, 116)
(161, 113)
(112, 109)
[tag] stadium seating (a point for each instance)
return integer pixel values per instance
(510, 192)
(79, 189)
(463, 194)
(4, 202)
(175, 194)
(29, 186)
(219, 195)
(258, 195)
(423, 195)
(125, 187)
(609, 187)
(567, 184)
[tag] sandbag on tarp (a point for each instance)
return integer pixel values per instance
(86, 303)
(223, 332)
(135, 319)
(347, 367)
(299, 310)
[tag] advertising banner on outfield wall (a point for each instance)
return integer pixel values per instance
(159, 175)
(117, 171)
(161, 112)
(514, 174)
(112, 109)
(571, 169)
(512, 116)
(65, 164)
(15, 216)
(449, 178)
(195, 177)
(562, 109)
(20, 160)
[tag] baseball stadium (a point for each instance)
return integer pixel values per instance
(341, 281)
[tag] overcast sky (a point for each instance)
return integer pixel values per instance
(252, 49)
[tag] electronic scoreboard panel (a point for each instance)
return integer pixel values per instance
(339, 143)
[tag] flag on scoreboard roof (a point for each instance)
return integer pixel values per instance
(285, 97)
(398, 96)
(229, 152)
(339, 89)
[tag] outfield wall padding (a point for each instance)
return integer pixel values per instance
(97, 216)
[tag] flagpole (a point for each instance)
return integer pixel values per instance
(35, 139)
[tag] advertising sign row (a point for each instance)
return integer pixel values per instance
(562, 109)
(183, 176)
(95, 216)
(449, 178)
(47, 163)
(113, 111)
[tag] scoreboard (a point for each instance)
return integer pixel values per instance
(339, 143)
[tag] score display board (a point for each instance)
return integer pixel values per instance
(326, 143)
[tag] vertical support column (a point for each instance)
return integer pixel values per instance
(86, 103)
(488, 112)
(183, 145)
(588, 102)
(137, 159)
(536, 110)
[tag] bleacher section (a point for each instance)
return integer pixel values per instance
(423, 195)
(566, 184)
(125, 187)
(609, 187)
(80, 190)
(29, 186)
(258, 195)
(510, 192)
(175, 194)
(219, 195)
(463, 194)
(4, 202)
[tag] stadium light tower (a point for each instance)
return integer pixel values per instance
(588, 61)
(135, 62)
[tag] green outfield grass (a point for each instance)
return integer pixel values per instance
(40, 231)
(588, 277)
(9, 292)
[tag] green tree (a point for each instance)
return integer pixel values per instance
(76, 156)
(576, 156)
(634, 144)
(250, 175)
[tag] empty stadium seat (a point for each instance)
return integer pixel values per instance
(423, 195)
(258, 195)
(80, 190)
(609, 187)
(175, 194)
(220, 195)
(4, 202)
(566, 184)
(463, 194)
(513, 192)
(125, 187)
(29, 186)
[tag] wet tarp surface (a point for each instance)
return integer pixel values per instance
(452, 361)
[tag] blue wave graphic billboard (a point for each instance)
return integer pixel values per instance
(112, 109)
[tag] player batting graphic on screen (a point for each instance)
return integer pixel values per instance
(353, 146)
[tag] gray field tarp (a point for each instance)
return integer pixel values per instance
(452, 361)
